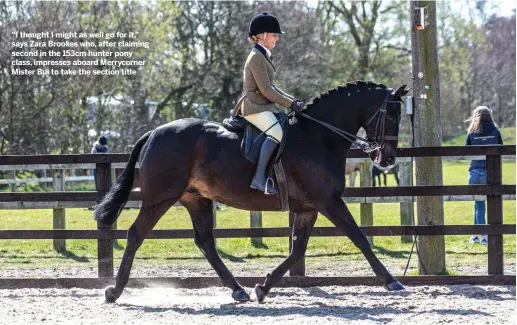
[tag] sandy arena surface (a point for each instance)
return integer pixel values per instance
(456, 304)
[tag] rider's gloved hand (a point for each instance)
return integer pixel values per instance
(297, 105)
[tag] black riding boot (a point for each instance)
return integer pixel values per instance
(259, 181)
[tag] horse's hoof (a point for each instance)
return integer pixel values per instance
(110, 294)
(260, 293)
(394, 285)
(240, 296)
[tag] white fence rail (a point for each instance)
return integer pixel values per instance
(18, 181)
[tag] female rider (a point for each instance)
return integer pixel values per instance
(260, 95)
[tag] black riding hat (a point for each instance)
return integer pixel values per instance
(264, 23)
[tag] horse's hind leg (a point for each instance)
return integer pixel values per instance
(302, 227)
(341, 217)
(144, 223)
(202, 215)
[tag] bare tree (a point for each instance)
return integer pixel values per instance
(361, 17)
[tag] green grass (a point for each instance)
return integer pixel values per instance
(508, 135)
(40, 253)
(456, 173)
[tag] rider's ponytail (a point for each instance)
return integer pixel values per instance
(253, 40)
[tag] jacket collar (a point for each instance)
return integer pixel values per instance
(268, 52)
(263, 51)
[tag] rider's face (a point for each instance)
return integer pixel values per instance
(269, 40)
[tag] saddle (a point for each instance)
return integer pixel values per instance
(252, 143)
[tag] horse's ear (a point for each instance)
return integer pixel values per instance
(402, 91)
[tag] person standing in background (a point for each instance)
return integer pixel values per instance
(482, 131)
(100, 146)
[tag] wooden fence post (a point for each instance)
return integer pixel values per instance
(406, 208)
(494, 216)
(299, 267)
(58, 214)
(13, 185)
(114, 225)
(214, 212)
(256, 222)
(104, 246)
(366, 208)
(72, 174)
(113, 176)
(45, 176)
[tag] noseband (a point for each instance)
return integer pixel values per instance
(363, 143)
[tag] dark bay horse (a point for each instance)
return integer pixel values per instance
(197, 162)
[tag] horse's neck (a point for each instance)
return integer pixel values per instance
(326, 111)
(322, 138)
(344, 118)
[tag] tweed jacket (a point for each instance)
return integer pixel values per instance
(259, 94)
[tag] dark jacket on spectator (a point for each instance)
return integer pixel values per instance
(489, 135)
(99, 148)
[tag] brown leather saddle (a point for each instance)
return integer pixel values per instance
(252, 143)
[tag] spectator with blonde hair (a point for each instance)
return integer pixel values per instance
(482, 131)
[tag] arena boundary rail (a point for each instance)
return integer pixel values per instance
(494, 190)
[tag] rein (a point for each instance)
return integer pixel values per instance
(364, 144)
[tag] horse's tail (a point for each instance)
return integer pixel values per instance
(108, 210)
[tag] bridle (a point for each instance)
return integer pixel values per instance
(362, 143)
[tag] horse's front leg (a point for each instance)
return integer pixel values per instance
(302, 227)
(341, 217)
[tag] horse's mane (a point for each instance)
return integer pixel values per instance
(355, 85)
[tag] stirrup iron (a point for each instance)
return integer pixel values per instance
(267, 182)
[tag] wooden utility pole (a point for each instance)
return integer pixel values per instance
(428, 130)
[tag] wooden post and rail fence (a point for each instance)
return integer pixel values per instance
(494, 191)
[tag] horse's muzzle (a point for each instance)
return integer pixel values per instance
(383, 157)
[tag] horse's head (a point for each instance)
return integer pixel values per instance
(381, 122)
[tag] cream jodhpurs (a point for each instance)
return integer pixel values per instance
(263, 122)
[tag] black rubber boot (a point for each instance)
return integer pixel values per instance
(259, 181)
